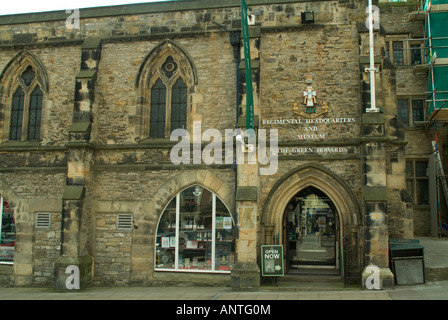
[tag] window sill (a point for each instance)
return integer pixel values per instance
(158, 142)
(15, 144)
(193, 271)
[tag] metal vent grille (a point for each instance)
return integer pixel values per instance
(43, 220)
(124, 221)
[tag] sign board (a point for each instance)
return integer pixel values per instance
(272, 261)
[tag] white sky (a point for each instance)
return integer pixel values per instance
(26, 6)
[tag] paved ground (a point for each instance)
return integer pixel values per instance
(429, 291)
(436, 255)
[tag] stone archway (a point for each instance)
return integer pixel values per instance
(312, 175)
(188, 178)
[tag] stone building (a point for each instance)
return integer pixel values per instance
(87, 170)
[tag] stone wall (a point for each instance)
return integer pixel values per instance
(112, 251)
(47, 244)
(120, 170)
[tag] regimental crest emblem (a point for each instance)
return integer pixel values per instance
(311, 108)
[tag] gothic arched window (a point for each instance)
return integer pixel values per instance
(166, 79)
(168, 101)
(26, 108)
(23, 91)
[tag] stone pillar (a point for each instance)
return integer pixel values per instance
(375, 199)
(24, 253)
(246, 272)
(74, 262)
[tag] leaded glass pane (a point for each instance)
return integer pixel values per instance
(422, 192)
(28, 76)
(15, 127)
(421, 168)
(158, 110)
(417, 110)
(416, 54)
(403, 111)
(398, 53)
(179, 105)
(35, 113)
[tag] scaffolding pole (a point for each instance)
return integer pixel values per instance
(431, 60)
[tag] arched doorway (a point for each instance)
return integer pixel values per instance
(311, 231)
(328, 186)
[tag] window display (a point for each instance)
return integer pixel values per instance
(8, 232)
(195, 227)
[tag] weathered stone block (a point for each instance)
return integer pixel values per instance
(245, 275)
(84, 264)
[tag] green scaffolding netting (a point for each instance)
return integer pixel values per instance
(438, 46)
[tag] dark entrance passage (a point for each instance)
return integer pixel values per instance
(311, 232)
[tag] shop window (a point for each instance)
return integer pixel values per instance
(417, 181)
(8, 232)
(195, 234)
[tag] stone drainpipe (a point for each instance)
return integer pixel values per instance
(74, 251)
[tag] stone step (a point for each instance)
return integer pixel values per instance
(315, 285)
(312, 278)
(308, 279)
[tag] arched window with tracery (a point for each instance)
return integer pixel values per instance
(166, 80)
(26, 109)
(23, 85)
(195, 233)
(169, 96)
(23, 90)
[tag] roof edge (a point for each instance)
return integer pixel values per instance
(131, 9)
